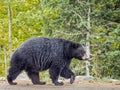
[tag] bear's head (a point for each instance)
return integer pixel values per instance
(79, 52)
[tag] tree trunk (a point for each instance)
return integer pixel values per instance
(10, 28)
(5, 61)
(88, 42)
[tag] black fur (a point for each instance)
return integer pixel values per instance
(38, 54)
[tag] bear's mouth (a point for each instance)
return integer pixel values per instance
(85, 57)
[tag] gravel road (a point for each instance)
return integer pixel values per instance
(78, 85)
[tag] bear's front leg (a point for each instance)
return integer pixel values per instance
(72, 79)
(67, 73)
(54, 75)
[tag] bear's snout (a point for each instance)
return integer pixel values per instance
(85, 57)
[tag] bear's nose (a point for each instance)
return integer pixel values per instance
(85, 57)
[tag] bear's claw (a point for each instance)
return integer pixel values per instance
(72, 79)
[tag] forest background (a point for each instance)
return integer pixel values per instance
(93, 21)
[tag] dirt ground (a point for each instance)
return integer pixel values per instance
(78, 85)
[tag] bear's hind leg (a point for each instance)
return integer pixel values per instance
(13, 73)
(34, 76)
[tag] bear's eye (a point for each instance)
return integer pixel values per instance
(75, 45)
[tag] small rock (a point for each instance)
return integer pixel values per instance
(2, 78)
(22, 76)
(117, 83)
(87, 78)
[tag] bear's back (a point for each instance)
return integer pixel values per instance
(40, 45)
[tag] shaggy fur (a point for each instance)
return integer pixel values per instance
(38, 54)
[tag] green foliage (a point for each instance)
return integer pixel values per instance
(67, 19)
(105, 39)
(2, 67)
(78, 67)
(72, 21)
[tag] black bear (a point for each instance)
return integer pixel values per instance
(38, 54)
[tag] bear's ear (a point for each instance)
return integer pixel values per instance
(75, 45)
